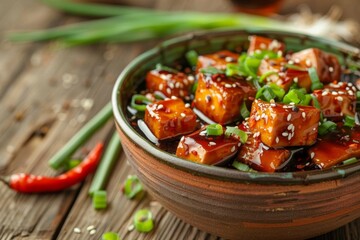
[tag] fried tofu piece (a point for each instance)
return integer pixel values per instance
(169, 83)
(220, 97)
(263, 43)
(261, 157)
(169, 118)
(300, 77)
(327, 65)
(281, 125)
(336, 147)
(200, 148)
(218, 59)
(337, 100)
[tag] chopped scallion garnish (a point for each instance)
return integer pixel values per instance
(297, 96)
(234, 69)
(132, 187)
(214, 130)
(266, 75)
(110, 236)
(242, 167)
(271, 91)
(349, 121)
(139, 102)
(143, 220)
(358, 95)
(244, 111)
(99, 199)
(350, 161)
(251, 66)
(265, 54)
(315, 81)
(192, 57)
(211, 70)
(161, 67)
(326, 127)
(235, 131)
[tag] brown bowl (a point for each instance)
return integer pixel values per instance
(226, 202)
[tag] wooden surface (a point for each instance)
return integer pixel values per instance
(46, 95)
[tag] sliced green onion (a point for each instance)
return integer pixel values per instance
(143, 220)
(214, 130)
(234, 69)
(315, 81)
(317, 105)
(242, 167)
(279, 92)
(265, 54)
(211, 70)
(270, 91)
(268, 94)
(349, 121)
(65, 153)
(266, 75)
(161, 67)
(294, 67)
(231, 131)
(194, 86)
(358, 95)
(136, 98)
(192, 57)
(244, 111)
(306, 101)
(326, 127)
(72, 163)
(350, 161)
(251, 66)
(99, 199)
(110, 236)
(291, 96)
(106, 165)
(132, 187)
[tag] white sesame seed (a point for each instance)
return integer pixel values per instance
(191, 78)
(297, 60)
(331, 69)
(160, 106)
(177, 85)
(296, 79)
(212, 143)
(303, 114)
(212, 107)
(290, 127)
(339, 98)
(239, 144)
(233, 149)
(173, 97)
(265, 147)
(131, 227)
(257, 51)
(92, 232)
(350, 84)
(289, 137)
(168, 91)
(234, 85)
(187, 105)
(228, 85)
(277, 139)
(285, 134)
(183, 115)
(288, 118)
(257, 117)
(202, 133)
(256, 134)
(291, 62)
(312, 155)
(262, 45)
(308, 63)
(350, 92)
(171, 85)
(77, 230)
(279, 53)
(91, 227)
(229, 59)
(324, 93)
(334, 93)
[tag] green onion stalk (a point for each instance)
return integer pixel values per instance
(124, 24)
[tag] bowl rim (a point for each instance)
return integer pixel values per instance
(220, 173)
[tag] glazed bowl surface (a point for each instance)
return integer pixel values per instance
(226, 202)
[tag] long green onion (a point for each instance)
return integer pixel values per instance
(139, 102)
(244, 111)
(315, 81)
(143, 220)
(358, 95)
(110, 236)
(214, 130)
(132, 187)
(350, 161)
(235, 131)
(99, 199)
(106, 165)
(349, 121)
(326, 127)
(64, 154)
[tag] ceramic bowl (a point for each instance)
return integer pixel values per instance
(226, 202)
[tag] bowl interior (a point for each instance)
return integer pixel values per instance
(173, 50)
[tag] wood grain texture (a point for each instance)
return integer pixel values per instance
(41, 87)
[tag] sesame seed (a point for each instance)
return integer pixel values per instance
(187, 105)
(290, 127)
(171, 85)
(183, 115)
(256, 134)
(289, 137)
(91, 227)
(339, 98)
(308, 63)
(265, 147)
(212, 143)
(173, 97)
(131, 227)
(212, 107)
(350, 84)
(202, 133)
(324, 93)
(229, 59)
(168, 91)
(160, 106)
(262, 45)
(249, 78)
(177, 85)
(161, 86)
(257, 51)
(77, 230)
(296, 79)
(288, 118)
(312, 155)
(285, 134)
(233, 149)
(303, 114)
(92, 232)
(291, 62)
(334, 93)
(277, 139)
(191, 78)
(331, 69)
(234, 85)
(297, 60)
(279, 53)
(239, 144)
(257, 117)
(350, 92)
(227, 85)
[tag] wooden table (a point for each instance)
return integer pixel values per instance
(46, 94)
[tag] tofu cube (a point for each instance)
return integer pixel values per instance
(170, 84)
(263, 43)
(336, 147)
(327, 65)
(220, 97)
(169, 118)
(281, 125)
(337, 100)
(200, 148)
(218, 59)
(300, 77)
(259, 156)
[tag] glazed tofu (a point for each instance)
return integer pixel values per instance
(170, 84)
(198, 147)
(220, 97)
(280, 125)
(327, 65)
(336, 147)
(261, 157)
(300, 77)
(337, 100)
(169, 118)
(218, 59)
(263, 43)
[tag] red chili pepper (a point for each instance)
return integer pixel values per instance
(27, 183)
